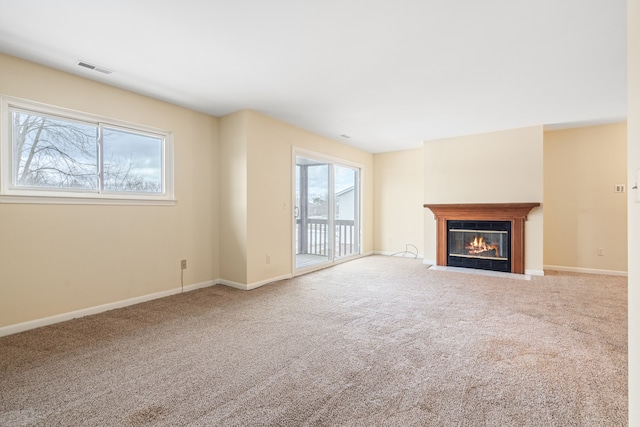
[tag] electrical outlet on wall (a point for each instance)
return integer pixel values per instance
(183, 264)
(600, 251)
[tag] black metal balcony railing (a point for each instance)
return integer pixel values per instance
(314, 241)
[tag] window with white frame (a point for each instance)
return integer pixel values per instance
(55, 154)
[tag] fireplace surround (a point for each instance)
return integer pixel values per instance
(498, 229)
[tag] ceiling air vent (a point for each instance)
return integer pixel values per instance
(94, 67)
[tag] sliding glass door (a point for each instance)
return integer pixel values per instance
(312, 212)
(327, 211)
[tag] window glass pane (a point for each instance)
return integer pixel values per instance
(54, 153)
(346, 210)
(132, 161)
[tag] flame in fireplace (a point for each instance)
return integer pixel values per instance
(478, 245)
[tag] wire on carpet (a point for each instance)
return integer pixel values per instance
(407, 251)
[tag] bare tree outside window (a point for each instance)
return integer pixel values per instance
(49, 152)
(59, 153)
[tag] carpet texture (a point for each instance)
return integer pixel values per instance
(375, 341)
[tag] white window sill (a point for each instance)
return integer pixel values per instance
(85, 201)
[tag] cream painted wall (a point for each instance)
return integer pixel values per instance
(269, 163)
(233, 197)
(496, 167)
(398, 200)
(582, 212)
(633, 155)
(270, 212)
(56, 259)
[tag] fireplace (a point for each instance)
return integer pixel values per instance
(485, 245)
(482, 236)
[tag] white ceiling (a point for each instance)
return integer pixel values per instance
(388, 73)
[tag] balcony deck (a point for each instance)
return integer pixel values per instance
(312, 240)
(307, 260)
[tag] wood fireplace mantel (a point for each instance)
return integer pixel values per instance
(514, 212)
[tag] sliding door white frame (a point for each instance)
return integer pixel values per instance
(332, 162)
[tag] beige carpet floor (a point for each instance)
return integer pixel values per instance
(378, 341)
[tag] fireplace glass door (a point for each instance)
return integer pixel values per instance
(480, 244)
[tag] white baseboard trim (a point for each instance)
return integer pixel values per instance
(429, 261)
(250, 286)
(63, 317)
(586, 270)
